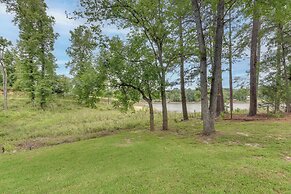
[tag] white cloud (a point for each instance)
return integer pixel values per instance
(3, 11)
(113, 30)
(61, 19)
(61, 62)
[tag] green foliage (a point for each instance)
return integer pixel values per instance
(9, 61)
(81, 51)
(131, 70)
(62, 85)
(174, 95)
(4, 43)
(241, 94)
(89, 87)
(36, 41)
(88, 80)
(192, 95)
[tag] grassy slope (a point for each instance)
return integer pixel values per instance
(63, 121)
(141, 162)
(244, 157)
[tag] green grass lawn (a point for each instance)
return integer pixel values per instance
(242, 157)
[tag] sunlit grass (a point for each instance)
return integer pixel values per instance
(242, 157)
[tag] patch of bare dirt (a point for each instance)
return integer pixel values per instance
(255, 145)
(51, 141)
(126, 142)
(288, 158)
(242, 134)
(206, 139)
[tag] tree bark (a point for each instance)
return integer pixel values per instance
(216, 71)
(230, 66)
(259, 57)
(278, 81)
(32, 80)
(163, 88)
(42, 95)
(152, 119)
(220, 98)
(182, 72)
(253, 62)
(207, 128)
(4, 71)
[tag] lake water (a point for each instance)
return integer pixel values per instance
(194, 107)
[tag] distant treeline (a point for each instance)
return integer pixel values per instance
(193, 95)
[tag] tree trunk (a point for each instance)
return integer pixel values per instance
(31, 79)
(152, 119)
(163, 88)
(42, 97)
(207, 128)
(43, 64)
(182, 73)
(4, 71)
(220, 98)
(216, 71)
(253, 63)
(278, 81)
(230, 66)
(259, 57)
(286, 76)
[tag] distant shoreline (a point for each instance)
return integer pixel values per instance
(191, 106)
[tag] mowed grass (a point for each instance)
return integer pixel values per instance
(242, 157)
(144, 162)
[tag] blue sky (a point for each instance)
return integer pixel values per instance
(63, 25)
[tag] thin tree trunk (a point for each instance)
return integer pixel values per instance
(43, 97)
(259, 57)
(31, 79)
(182, 73)
(220, 98)
(253, 63)
(43, 63)
(216, 72)
(4, 71)
(230, 66)
(163, 89)
(278, 81)
(286, 77)
(207, 128)
(152, 119)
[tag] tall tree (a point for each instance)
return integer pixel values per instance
(253, 60)
(230, 65)
(3, 49)
(153, 18)
(87, 79)
(35, 46)
(130, 68)
(182, 30)
(182, 70)
(276, 84)
(209, 113)
(216, 75)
